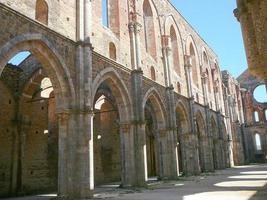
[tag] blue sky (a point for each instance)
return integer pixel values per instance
(216, 24)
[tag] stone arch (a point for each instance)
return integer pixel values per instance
(47, 55)
(157, 104)
(200, 124)
(41, 11)
(224, 132)
(202, 141)
(30, 84)
(191, 50)
(182, 116)
(119, 89)
(154, 116)
(182, 124)
(214, 127)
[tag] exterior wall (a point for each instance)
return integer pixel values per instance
(102, 36)
(80, 69)
(7, 131)
(234, 105)
(61, 14)
(251, 127)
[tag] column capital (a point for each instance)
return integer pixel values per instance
(188, 62)
(64, 115)
(165, 40)
(137, 71)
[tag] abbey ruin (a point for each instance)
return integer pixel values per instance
(120, 93)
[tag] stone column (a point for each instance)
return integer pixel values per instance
(80, 149)
(188, 73)
(204, 79)
(137, 30)
(138, 175)
(166, 53)
(63, 154)
(209, 159)
(139, 134)
(127, 154)
(171, 132)
(133, 45)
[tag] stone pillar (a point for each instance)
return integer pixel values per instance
(204, 79)
(191, 142)
(127, 154)
(229, 120)
(85, 155)
(209, 156)
(63, 154)
(166, 53)
(80, 148)
(139, 134)
(133, 45)
(137, 30)
(138, 176)
(173, 171)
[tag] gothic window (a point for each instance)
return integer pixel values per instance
(258, 142)
(149, 30)
(112, 51)
(174, 48)
(206, 65)
(153, 73)
(110, 15)
(194, 64)
(46, 88)
(105, 13)
(256, 116)
(41, 12)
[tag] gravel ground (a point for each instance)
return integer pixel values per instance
(239, 183)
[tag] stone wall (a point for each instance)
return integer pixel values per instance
(253, 126)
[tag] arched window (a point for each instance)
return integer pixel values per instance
(256, 116)
(112, 51)
(258, 142)
(265, 113)
(194, 64)
(153, 73)
(41, 11)
(110, 15)
(149, 29)
(105, 13)
(175, 53)
(46, 87)
(206, 65)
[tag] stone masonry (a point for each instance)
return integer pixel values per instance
(118, 93)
